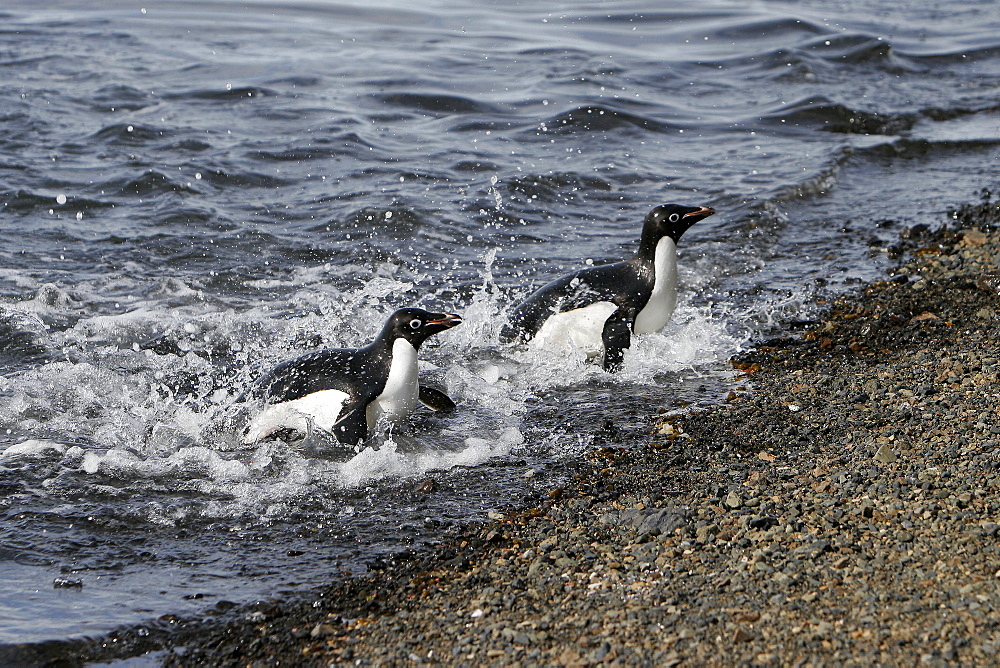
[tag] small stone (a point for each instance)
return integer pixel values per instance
(322, 631)
(973, 238)
(885, 455)
(763, 523)
(702, 533)
(742, 635)
(733, 501)
(986, 313)
(812, 550)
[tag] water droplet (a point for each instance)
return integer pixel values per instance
(60, 198)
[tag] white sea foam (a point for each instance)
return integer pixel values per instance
(387, 461)
(694, 338)
(124, 402)
(33, 448)
(190, 461)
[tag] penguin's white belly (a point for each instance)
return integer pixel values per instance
(657, 311)
(399, 397)
(655, 314)
(580, 329)
(321, 409)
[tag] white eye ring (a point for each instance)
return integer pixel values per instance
(416, 323)
(674, 217)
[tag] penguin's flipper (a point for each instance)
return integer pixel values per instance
(436, 400)
(353, 427)
(617, 336)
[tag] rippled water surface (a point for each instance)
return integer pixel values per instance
(191, 192)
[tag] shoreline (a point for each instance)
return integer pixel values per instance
(841, 511)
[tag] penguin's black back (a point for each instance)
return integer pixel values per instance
(626, 284)
(360, 372)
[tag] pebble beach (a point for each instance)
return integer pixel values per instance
(840, 507)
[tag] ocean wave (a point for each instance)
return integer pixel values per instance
(303, 153)
(120, 97)
(595, 119)
(227, 94)
(829, 116)
(24, 201)
(129, 134)
(777, 28)
(436, 103)
(150, 183)
(818, 184)
(188, 145)
(914, 147)
(823, 114)
(951, 113)
(225, 178)
(821, 54)
(849, 48)
(549, 188)
(974, 54)
(392, 222)
(298, 81)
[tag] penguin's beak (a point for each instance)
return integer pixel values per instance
(703, 212)
(446, 320)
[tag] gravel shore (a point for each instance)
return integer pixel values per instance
(843, 510)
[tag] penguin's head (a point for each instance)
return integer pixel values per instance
(673, 220)
(416, 324)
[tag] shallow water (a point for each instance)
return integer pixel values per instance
(192, 192)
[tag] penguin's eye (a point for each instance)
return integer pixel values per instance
(416, 323)
(674, 217)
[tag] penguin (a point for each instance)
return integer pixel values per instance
(597, 309)
(346, 391)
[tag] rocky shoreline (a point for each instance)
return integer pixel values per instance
(844, 510)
